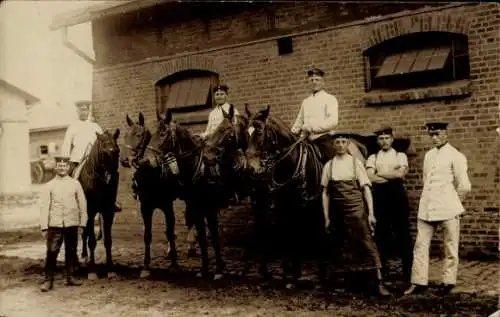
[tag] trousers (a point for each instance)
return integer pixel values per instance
(451, 236)
(55, 238)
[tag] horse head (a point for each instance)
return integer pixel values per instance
(228, 138)
(106, 151)
(267, 138)
(136, 139)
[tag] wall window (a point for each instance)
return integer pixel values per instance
(188, 94)
(417, 60)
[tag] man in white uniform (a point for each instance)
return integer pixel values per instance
(446, 184)
(79, 138)
(318, 115)
(220, 94)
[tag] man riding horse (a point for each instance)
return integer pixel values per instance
(318, 116)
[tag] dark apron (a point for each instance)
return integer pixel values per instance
(349, 215)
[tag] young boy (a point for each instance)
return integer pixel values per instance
(63, 209)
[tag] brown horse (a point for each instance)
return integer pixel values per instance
(286, 172)
(153, 185)
(99, 179)
(200, 183)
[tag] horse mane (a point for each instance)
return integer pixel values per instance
(278, 127)
(94, 161)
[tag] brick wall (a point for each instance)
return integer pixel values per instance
(131, 59)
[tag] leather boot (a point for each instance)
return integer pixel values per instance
(47, 286)
(71, 281)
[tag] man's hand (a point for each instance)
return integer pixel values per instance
(307, 128)
(327, 224)
(44, 234)
(372, 222)
(80, 230)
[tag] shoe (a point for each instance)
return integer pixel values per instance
(47, 286)
(445, 289)
(118, 207)
(415, 289)
(383, 291)
(72, 282)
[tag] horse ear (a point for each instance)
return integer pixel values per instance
(158, 117)
(247, 111)
(265, 112)
(129, 121)
(168, 117)
(141, 119)
(116, 135)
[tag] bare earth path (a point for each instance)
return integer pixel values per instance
(182, 295)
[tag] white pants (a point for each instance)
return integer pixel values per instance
(451, 235)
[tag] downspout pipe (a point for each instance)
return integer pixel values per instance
(74, 48)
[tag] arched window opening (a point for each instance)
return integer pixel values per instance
(188, 94)
(417, 60)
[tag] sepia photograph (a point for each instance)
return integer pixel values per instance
(249, 158)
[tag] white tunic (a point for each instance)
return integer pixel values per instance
(320, 111)
(215, 118)
(444, 177)
(79, 136)
(63, 203)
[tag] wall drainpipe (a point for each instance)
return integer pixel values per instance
(74, 48)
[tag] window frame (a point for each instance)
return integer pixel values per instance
(421, 41)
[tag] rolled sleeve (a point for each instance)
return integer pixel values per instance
(361, 174)
(299, 121)
(402, 160)
(326, 175)
(370, 162)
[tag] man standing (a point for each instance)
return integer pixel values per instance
(63, 210)
(386, 170)
(446, 184)
(318, 115)
(79, 138)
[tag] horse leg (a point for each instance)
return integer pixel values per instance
(213, 226)
(202, 241)
(84, 254)
(168, 211)
(147, 219)
(108, 242)
(92, 243)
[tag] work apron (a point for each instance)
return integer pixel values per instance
(349, 215)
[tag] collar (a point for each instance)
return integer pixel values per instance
(391, 150)
(444, 146)
(318, 92)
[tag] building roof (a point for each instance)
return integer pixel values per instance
(30, 99)
(94, 12)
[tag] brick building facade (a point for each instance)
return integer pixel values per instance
(262, 51)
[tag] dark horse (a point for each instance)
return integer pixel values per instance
(153, 184)
(200, 184)
(286, 173)
(99, 179)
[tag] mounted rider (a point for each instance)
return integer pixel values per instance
(318, 115)
(215, 118)
(79, 138)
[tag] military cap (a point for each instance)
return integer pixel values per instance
(436, 126)
(223, 88)
(61, 158)
(82, 103)
(315, 71)
(341, 135)
(384, 130)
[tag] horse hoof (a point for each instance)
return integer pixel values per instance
(112, 276)
(199, 275)
(218, 276)
(290, 286)
(145, 274)
(92, 277)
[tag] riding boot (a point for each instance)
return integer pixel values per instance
(47, 285)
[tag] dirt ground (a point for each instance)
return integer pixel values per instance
(183, 294)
